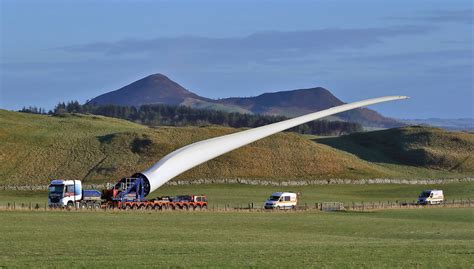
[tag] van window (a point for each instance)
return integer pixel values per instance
(274, 198)
(287, 198)
(425, 194)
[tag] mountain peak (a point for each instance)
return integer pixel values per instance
(153, 89)
(159, 89)
(157, 76)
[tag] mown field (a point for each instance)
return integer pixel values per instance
(234, 195)
(421, 238)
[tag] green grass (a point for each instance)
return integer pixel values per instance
(235, 195)
(422, 238)
(414, 146)
(35, 149)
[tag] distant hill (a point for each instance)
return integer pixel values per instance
(463, 124)
(298, 102)
(37, 148)
(159, 89)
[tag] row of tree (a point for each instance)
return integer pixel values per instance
(167, 115)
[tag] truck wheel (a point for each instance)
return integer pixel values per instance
(70, 205)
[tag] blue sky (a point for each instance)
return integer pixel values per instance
(55, 51)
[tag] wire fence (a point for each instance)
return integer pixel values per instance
(254, 207)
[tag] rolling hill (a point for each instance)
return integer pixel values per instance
(159, 89)
(418, 146)
(37, 148)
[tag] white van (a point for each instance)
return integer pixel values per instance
(431, 197)
(282, 200)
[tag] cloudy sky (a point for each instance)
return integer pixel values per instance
(55, 51)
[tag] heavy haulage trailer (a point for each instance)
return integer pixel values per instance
(130, 193)
(127, 194)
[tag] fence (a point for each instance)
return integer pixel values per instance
(252, 207)
(370, 206)
(283, 182)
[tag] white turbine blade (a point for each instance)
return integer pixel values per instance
(197, 153)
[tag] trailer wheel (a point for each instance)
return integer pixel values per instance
(204, 207)
(149, 207)
(128, 207)
(134, 207)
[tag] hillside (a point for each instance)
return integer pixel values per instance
(303, 101)
(415, 146)
(35, 148)
(159, 89)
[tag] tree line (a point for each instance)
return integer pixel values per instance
(168, 115)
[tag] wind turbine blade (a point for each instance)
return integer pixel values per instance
(197, 153)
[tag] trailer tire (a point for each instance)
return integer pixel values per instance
(128, 207)
(204, 207)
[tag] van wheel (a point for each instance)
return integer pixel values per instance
(277, 207)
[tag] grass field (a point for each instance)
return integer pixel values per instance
(422, 238)
(235, 195)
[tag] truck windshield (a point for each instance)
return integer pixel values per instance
(425, 194)
(56, 188)
(274, 198)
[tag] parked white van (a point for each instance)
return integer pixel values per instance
(282, 200)
(431, 197)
